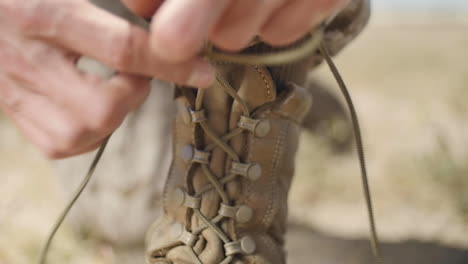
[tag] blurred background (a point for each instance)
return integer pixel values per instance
(408, 75)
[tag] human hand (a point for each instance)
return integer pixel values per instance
(60, 109)
(180, 27)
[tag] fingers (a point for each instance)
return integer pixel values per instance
(297, 17)
(242, 22)
(60, 109)
(143, 8)
(62, 130)
(121, 94)
(54, 131)
(80, 27)
(180, 27)
(41, 139)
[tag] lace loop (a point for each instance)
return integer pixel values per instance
(202, 157)
(198, 116)
(227, 211)
(180, 197)
(188, 238)
(245, 245)
(252, 171)
(189, 153)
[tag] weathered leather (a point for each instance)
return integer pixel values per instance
(254, 208)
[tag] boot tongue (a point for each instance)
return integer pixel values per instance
(256, 89)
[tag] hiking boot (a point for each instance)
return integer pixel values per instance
(234, 144)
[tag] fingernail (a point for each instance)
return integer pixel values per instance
(202, 76)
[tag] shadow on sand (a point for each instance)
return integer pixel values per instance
(307, 246)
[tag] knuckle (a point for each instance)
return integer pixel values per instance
(120, 58)
(126, 92)
(136, 88)
(15, 58)
(174, 45)
(121, 90)
(120, 54)
(105, 117)
(54, 151)
(43, 17)
(73, 134)
(68, 140)
(38, 57)
(28, 20)
(10, 96)
(11, 99)
(127, 95)
(15, 104)
(31, 17)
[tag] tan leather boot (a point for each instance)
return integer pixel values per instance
(225, 199)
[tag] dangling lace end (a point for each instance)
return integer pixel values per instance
(63, 215)
(374, 240)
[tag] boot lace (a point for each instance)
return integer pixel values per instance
(226, 209)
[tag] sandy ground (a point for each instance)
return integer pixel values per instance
(410, 86)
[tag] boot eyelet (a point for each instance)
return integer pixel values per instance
(197, 116)
(248, 245)
(188, 238)
(180, 198)
(202, 157)
(252, 171)
(190, 154)
(259, 127)
(187, 152)
(244, 214)
(262, 128)
(245, 245)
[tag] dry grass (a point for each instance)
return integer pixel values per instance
(410, 86)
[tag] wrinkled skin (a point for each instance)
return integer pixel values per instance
(65, 112)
